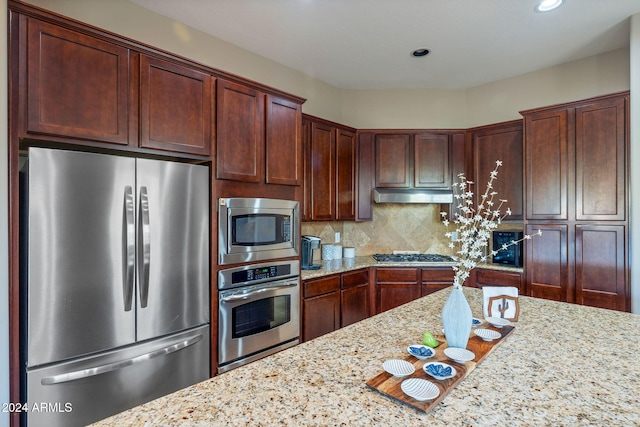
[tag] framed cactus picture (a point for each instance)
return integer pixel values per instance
(504, 306)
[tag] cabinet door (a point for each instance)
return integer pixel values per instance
(435, 279)
(600, 161)
(488, 277)
(354, 296)
(321, 315)
(284, 163)
(547, 164)
(323, 171)
(175, 107)
(601, 266)
(396, 286)
(393, 161)
(306, 163)
(77, 85)
(345, 175)
(240, 133)
(431, 161)
(366, 177)
(500, 142)
(547, 263)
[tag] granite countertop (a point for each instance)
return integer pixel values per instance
(564, 364)
(348, 264)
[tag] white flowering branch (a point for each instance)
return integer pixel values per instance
(474, 226)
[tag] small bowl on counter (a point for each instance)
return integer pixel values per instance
(398, 368)
(439, 370)
(459, 355)
(498, 322)
(421, 351)
(487, 334)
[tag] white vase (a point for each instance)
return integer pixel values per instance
(457, 319)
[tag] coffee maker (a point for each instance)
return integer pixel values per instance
(309, 243)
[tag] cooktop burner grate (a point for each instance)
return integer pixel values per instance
(412, 258)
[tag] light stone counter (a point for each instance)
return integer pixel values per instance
(563, 365)
(348, 264)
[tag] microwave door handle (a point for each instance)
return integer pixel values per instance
(236, 297)
(144, 246)
(129, 247)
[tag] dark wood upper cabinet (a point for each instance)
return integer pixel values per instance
(240, 132)
(330, 171)
(77, 85)
(547, 164)
(322, 158)
(393, 161)
(431, 161)
(600, 161)
(345, 175)
(365, 176)
(412, 160)
(284, 151)
(176, 106)
(504, 142)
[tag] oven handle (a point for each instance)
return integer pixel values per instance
(236, 297)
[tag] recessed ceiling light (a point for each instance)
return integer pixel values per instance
(420, 53)
(547, 5)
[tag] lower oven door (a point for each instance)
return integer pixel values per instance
(254, 319)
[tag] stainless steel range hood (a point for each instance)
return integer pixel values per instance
(393, 195)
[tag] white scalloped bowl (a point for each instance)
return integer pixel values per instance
(459, 355)
(487, 334)
(498, 322)
(420, 389)
(398, 368)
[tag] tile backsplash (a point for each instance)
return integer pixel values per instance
(414, 227)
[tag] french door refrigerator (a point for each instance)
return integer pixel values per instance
(115, 282)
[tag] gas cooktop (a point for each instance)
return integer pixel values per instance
(412, 258)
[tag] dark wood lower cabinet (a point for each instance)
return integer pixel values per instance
(600, 266)
(435, 279)
(396, 286)
(547, 265)
(334, 301)
(320, 306)
(489, 277)
(354, 297)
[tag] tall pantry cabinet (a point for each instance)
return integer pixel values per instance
(576, 184)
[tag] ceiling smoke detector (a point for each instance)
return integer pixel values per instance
(547, 5)
(418, 53)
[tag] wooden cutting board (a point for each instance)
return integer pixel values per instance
(389, 385)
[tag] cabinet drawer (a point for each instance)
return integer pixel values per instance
(438, 275)
(321, 286)
(485, 277)
(355, 278)
(397, 275)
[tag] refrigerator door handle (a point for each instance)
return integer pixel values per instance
(129, 250)
(102, 369)
(144, 247)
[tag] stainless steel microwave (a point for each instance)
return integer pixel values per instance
(255, 229)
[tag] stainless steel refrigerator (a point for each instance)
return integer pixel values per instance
(115, 282)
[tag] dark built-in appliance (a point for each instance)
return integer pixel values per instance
(309, 245)
(259, 311)
(512, 254)
(257, 229)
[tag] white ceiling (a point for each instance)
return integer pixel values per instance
(366, 44)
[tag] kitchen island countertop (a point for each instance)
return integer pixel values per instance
(564, 364)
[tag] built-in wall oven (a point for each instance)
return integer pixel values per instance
(259, 311)
(257, 229)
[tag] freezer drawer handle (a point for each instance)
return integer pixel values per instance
(129, 250)
(145, 246)
(85, 373)
(242, 296)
